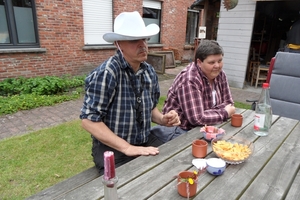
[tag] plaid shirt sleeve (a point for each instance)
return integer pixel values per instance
(99, 89)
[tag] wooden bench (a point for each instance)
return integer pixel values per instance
(56, 191)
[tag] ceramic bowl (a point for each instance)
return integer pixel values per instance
(233, 149)
(212, 132)
(199, 163)
(215, 166)
(236, 120)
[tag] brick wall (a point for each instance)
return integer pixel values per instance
(174, 24)
(60, 25)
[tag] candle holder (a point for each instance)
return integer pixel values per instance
(109, 178)
(110, 188)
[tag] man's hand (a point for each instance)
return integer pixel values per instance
(170, 119)
(141, 151)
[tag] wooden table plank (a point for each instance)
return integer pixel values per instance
(294, 189)
(147, 184)
(274, 180)
(239, 176)
(272, 171)
(133, 169)
(67, 185)
(204, 180)
(91, 190)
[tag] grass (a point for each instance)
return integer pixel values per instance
(242, 105)
(35, 161)
(38, 160)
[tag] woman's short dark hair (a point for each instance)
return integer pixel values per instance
(207, 48)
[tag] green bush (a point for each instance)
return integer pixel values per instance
(28, 93)
(47, 85)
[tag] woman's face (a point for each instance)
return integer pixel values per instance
(211, 66)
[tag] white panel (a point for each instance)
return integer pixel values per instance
(234, 35)
(97, 20)
(240, 26)
(233, 38)
(235, 14)
(239, 20)
(246, 33)
(152, 4)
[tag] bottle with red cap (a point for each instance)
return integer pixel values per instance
(263, 112)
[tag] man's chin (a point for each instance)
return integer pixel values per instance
(143, 56)
(143, 53)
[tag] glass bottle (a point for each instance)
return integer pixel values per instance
(263, 112)
(109, 178)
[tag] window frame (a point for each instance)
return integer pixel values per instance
(156, 7)
(94, 25)
(12, 28)
(188, 40)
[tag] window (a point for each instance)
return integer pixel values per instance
(152, 15)
(191, 26)
(97, 20)
(96, 23)
(18, 24)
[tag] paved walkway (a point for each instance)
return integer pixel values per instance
(27, 121)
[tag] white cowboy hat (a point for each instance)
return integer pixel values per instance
(130, 26)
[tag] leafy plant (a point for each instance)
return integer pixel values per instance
(47, 85)
(28, 93)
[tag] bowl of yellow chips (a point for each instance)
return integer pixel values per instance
(232, 149)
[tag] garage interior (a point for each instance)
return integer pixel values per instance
(273, 20)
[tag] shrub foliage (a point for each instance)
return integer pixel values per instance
(27, 93)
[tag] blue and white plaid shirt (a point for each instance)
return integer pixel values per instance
(110, 98)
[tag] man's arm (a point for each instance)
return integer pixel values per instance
(102, 133)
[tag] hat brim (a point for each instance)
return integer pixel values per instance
(151, 29)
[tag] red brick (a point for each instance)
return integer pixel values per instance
(61, 34)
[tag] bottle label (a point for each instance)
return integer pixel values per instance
(259, 121)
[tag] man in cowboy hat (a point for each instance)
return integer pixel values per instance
(122, 94)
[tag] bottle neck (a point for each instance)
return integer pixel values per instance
(265, 96)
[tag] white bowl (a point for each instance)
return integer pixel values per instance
(215, 166)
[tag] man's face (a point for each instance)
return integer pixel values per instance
(211, 66)
(134, 51)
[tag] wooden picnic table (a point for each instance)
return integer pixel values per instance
(272, 172)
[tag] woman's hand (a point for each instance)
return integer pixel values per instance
(170, 119)
(230, 109)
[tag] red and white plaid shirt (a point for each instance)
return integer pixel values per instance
(191, 97)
